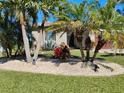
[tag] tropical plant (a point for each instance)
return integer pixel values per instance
(80, 19)
(110, 23)
(21, 8)
(8, 33)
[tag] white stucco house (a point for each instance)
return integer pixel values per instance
(50, 38)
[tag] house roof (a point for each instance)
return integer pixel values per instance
(47, 24)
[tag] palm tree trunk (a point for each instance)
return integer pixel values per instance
(26, 44)
(82, 52)
(37, 47)
(100, 44)
(10, 52)
(87, 55)
(87, 47)
(25, 38)
(94, 56)
(7, 53)
(39, 42)
(79, 37)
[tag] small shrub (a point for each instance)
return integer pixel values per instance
(49, 44)
(62, 52)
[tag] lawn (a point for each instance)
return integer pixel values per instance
(119, 59)
(20, 82)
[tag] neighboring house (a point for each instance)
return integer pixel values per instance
(50, 37)
(47, 36)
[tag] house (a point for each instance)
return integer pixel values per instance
(50, 39)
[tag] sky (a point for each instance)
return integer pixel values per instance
(53, 19)
(102, 2)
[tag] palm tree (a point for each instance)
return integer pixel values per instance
(108, 21)
(80, 19)
(20, 8)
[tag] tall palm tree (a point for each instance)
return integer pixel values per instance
(20, 7)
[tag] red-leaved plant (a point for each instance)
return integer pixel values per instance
(63, 53)
(58, 52)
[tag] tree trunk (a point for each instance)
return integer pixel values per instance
(26, 44)
(7, 53)
(82, 52)
(37, 47)
(39, 42)
(87, 55)
(100, 44)
(17, 51)
(25, 38)
(79, 37)
(10, 52)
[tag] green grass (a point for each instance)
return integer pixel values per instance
(19, 82)
(119, 59)
(116, 59)
(46, 54)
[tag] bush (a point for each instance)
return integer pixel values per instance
(62, 52)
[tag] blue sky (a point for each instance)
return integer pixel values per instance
(102, 2)
(53, 19)
(120, 6)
